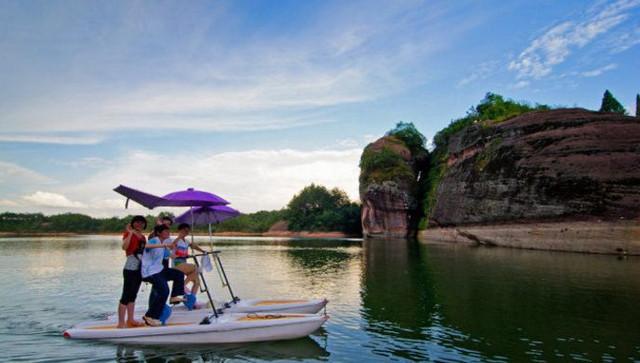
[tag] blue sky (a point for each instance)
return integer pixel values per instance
(253, 100)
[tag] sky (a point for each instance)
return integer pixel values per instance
(253, 100)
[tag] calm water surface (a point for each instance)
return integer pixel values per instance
(391, 300)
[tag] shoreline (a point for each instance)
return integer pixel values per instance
(612, 238)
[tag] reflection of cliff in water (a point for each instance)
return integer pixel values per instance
(396, 287)
(397, 297)
(539, 304)
(500, 303)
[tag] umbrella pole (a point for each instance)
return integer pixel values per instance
(204, 281)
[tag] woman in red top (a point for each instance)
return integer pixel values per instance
(133, 242)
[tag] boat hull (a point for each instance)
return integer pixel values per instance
(232, 328)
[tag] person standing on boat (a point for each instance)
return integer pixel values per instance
(133, 242)
(155, 273)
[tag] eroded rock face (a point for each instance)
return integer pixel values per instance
(385, 211)
(388, 194)
(568, 164)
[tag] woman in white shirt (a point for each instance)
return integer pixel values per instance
(154, 272)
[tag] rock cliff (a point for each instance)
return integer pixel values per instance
(566, 164)
(389, 189)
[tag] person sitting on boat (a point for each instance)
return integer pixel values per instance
(154, 272)
(133, 242)
(167, 221)
(180, 253)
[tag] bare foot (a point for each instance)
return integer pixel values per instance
(120, 326)
(135, 324)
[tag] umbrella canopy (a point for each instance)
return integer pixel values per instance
(145, 199)
(183, 198)
(192, 198)
(207, 215)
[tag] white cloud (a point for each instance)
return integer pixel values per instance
(625, 40)
(8, 203)
(87, 162)
(260, 82)
(598, 71)
(13, 174)
(557, 43)
(54, 200)
(50, 139)
(349, 143)
(520, 84)
(481, 71)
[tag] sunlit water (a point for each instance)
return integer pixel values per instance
(391, 300)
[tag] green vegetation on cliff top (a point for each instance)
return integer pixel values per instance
(387, 163)
(377, 166)
(492, 109)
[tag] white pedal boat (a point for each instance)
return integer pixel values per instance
(227, 328)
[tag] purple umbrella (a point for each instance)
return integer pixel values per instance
(145, 199)
(207, 215)
(193, 198)
(183, 198)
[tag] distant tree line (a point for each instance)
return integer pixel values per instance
(315, 208)
(61, 223)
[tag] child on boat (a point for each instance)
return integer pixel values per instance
(154, 272)
(180, 253)
(133, 242)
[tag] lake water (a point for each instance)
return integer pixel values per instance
(393, 300)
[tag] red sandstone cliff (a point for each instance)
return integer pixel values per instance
(388, 189)
(561, 164)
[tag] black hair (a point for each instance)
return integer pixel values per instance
(139, 219)
(167, 218)
(159, 229)
(183, 226)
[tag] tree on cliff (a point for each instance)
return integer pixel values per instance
(610, 104)
(411, 137)
(638, 105)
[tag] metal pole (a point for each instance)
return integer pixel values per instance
(204, 282)
(206, 288)
(233, 297)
